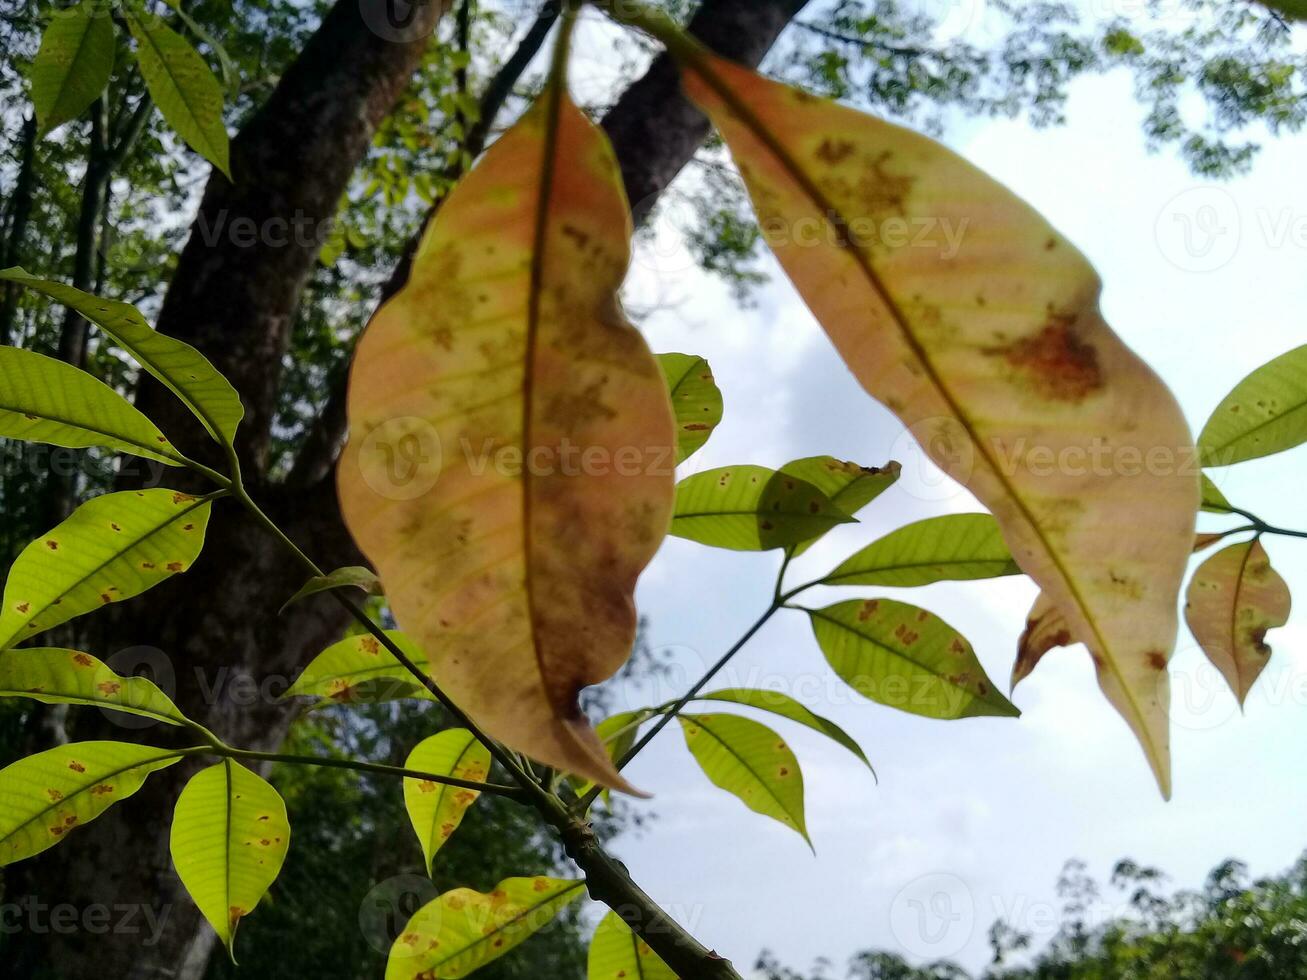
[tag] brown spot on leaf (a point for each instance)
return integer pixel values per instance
(82, 660)
(1060, 366)
(76, 766)
(1157, 660)
(108, 687)
(52, 545)
(174, 566)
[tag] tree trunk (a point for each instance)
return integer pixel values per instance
(217, 627)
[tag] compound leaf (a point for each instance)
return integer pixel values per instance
(696, 400)
(57, 676)
(113, 547)
(1265, 413)
(462, 930)
(987, 342)
(47, 400)
(73, 64)
(229, 840)
(751, 762)
(180, 367)
(510, 465)
(436, 809)
(617, 953)
(1234, 598)
(49, 794)
(907, 658)
(952, 547)
(751, 508)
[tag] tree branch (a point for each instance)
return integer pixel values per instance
(654, 130)
(254, 241)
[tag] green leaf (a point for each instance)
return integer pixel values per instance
(183, 87)
(907, 658)
(618, 734)
(113, 547)
(1297, 9)
(56, 676)
(696, 400)
(230, 75)
(73, 65)
(617, 953)
(229, 839)
(47, 400)
(787, 707)
(1265, 413)
(751, 508)
(351, 575)
(180, 367)
(849, 486)
(436, 809)
(1214, 501)
(358, 669)
(750, 761)
(462, 930)
(952, 547)
(49, 794)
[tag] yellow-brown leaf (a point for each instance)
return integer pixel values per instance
(956, 305)
(510, 464)
(1233, 599)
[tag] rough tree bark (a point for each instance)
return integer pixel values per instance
(218, 626)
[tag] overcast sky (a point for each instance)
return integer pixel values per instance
(973, 820)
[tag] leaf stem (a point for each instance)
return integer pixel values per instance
(1261, 527)
(227, 751)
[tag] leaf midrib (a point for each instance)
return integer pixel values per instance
(526, 912)
(100, 779)
(697, 721)
(765, 137)
(14, 637)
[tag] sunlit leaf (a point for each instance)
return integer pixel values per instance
(618, 734)
(750, 761)
(510, 469)
(113, 547)
(230, 74)
(617, 953)
(1213, 501)
(1265, 413)
(73, 65)
(46, 400)
(57, 676)
(182, 86)
(462, 930)
(952, 547)
(907, 658)
(229, 840)
(436, 809)
(1234, 598)
(751, 508)
(358, 669)
(779, 703)
(849, 486)
(696, 400)
(355, 576)
(180, 367)
(983, 335)
(45, 796)
(1046, 628)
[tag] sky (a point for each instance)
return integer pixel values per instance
(972, 820)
